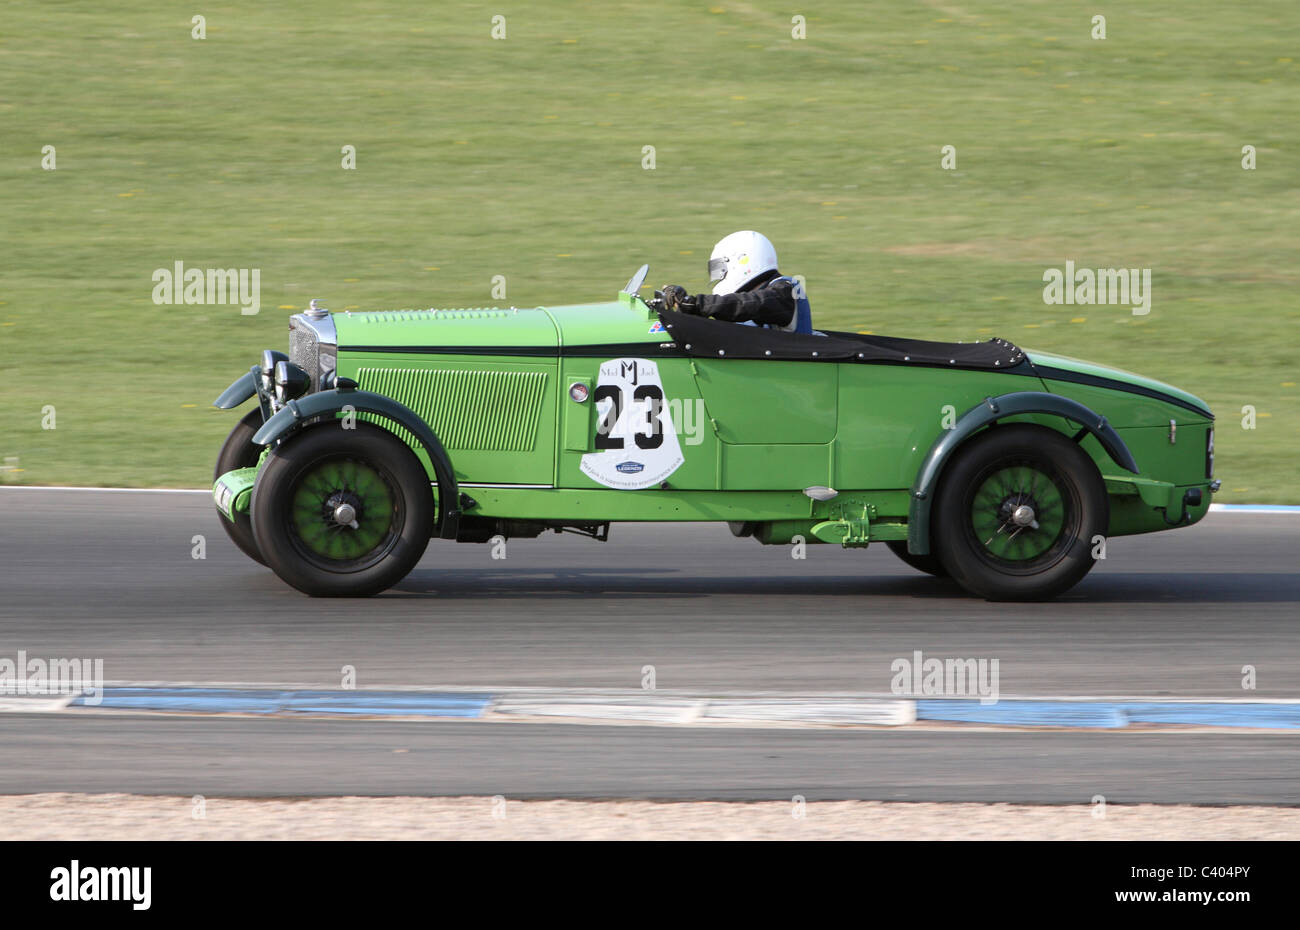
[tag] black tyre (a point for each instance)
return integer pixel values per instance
(238, 451)
(342, 512)
(1016, 514)
(922, 563)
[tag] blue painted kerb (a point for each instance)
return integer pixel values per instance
(1017, 713)
(237, 701)
(1110, 714)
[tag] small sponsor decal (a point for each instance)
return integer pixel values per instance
(629, 468)
(657, 326)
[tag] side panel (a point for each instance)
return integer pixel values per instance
(748, 430)
(890, 415)
(775, 421)
(751, 425)
(776, 466)
(776, 402)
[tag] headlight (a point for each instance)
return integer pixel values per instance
(290, 382)
(270, 358)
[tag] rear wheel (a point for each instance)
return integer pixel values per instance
(342, 512)
(238, 451)
(1017, 512)
(922, 563)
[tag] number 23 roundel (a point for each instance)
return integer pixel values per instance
(636, 444)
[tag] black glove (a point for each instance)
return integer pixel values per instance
(676, 298)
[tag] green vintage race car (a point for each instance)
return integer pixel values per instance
(1003, 469)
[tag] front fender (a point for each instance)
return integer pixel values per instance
(294, 415)
(981, 415)
(244, 387)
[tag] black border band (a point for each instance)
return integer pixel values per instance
(1048, 373)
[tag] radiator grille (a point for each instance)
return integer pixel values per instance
(304, 351)
(491, 411)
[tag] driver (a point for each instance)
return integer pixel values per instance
(749, 288)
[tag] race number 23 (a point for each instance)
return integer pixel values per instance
(651, 434)
(635, 444)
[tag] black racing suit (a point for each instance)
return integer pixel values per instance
(768, 299)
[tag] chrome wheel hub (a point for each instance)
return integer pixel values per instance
(345, 515)
(343, 509)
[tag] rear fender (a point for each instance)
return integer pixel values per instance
(980, 416)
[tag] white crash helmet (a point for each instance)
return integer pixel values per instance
(739, 258)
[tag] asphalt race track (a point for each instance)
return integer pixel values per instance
(228, 757)
(111, 575)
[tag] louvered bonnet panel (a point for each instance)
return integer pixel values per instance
(488, 411)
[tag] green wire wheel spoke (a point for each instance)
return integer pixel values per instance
(996, 499)
(985, 499)
(998, 545)
(348, 475)
(342, 481)
(1021, 481)
(336, 546)
(314, 533)
(305, 500)
(367, 485)
(984, 522)
(316, 484)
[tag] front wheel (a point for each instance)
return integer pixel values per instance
(238, 451)
(342, 512)
(1018, 513)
